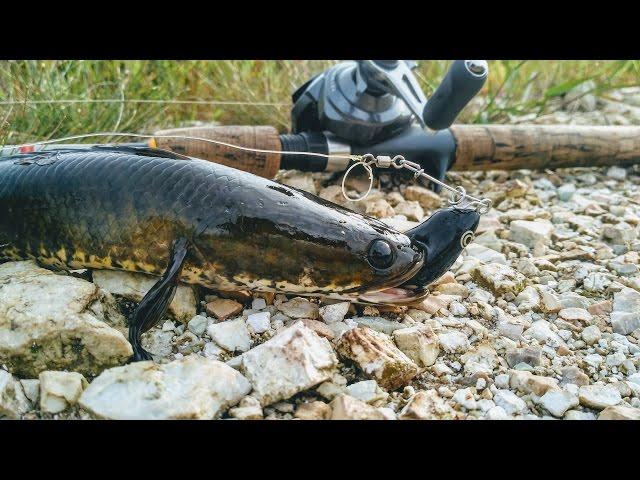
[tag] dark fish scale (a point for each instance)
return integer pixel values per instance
(104, 208)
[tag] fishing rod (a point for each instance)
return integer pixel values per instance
(377, 107)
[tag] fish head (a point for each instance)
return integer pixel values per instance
(441, 238)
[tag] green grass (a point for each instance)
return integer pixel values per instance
(514, 88)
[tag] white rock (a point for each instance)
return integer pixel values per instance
(599, 397)
(464, 397)
(299, 307)
(231, 335)
(335, 312)
(368, 391)
(566, 191)
(426, 405)
(259, 322)
(158, 342)
(134, 286)
(510, 402)
(377, 356)
(500, 279)
(558, 402)
(211, 350)
(496, 413)
(31, 388)
(453, 341)
(578, 415)
(617, 173)
(249, 408)
(13, 401)
(528, 299)
(541, 331)
(625, 317)
(593, 359)
(57, 322)
(502, 380)
(258, 304)
(198, 325)
(294, 360)
(419, 343)
(346, 407)
(60, 390)
(591, 334)
(484, 254)
(190, 388)
(531, 234)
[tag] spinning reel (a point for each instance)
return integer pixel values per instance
(378, 107)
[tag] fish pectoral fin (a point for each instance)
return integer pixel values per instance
(155, 303)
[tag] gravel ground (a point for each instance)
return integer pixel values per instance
(538, 319)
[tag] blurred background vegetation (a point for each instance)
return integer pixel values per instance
(515, 88)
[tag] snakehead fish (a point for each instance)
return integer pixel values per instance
(146, 210)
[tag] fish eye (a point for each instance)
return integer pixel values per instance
(380, 254)
(467, 238)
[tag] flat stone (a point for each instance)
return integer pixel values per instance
(377, 357)
(619, 412)
(378, 324)
(60, 390)
(57, 322)
(335, 312)
(531, 234)
(528, 383)
(299, 307)
(231, 335)
(151, 391)
(293, 361)
(432, 304)
(500, 279)
(13, 401)
(557, 402)
(223, 308)
(575, 315)
(134, 286)
(599, 397)
(346, 407)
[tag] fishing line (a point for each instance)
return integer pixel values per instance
(141, 100)
(458, 194)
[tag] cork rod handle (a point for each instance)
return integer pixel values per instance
(511, 147)
(260, 137)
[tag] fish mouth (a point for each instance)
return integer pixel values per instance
(394, 296)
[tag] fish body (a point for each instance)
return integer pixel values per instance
(122, 209)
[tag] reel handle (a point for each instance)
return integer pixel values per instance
(464, 79)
